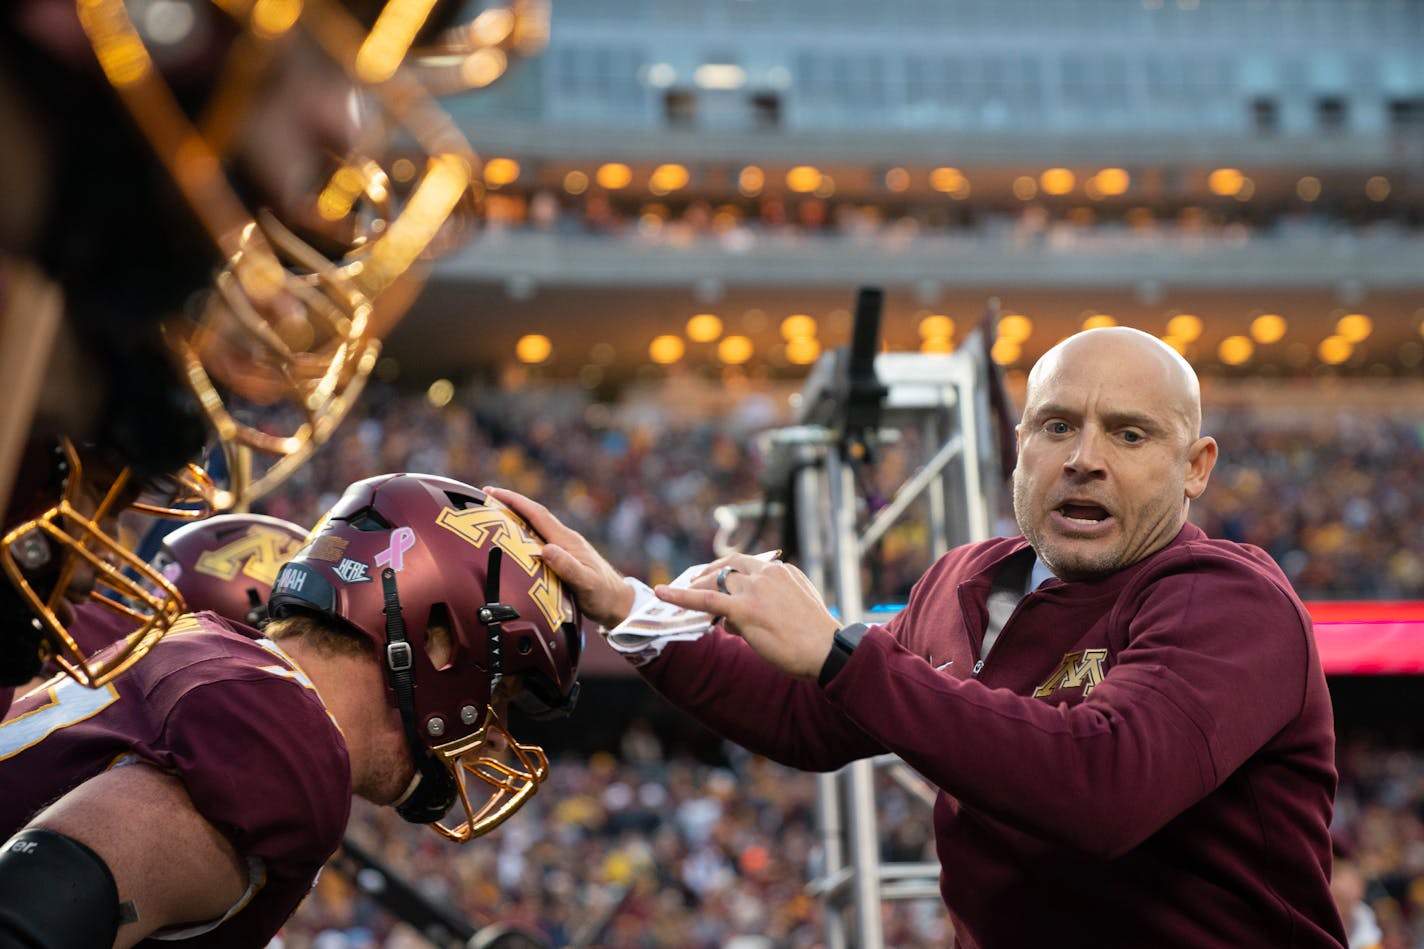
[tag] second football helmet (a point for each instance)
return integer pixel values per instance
(449, 586)
(228, 563)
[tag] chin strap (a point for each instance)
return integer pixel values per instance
(434, 791)
(257, 615)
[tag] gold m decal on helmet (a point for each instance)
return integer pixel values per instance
(258, 554)
(1078, 670)
(548, 594)
(484, 525)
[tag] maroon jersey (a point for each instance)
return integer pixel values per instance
(1145, 759)
(231, 716)
(93, 628)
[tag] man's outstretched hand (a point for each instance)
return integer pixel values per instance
(772, 605)
(602, 595)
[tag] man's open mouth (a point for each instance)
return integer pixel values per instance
(1083, 513)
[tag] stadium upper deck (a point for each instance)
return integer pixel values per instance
(755, 160)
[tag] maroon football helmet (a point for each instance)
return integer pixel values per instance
(398, 559)
(228, 563)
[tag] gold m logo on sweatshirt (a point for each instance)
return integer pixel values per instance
(1078, 670)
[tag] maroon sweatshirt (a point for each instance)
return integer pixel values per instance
(1145, 759)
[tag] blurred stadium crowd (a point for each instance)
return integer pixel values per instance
(1333, 499)
(644, 843)
(1334, 496)
(632, 848)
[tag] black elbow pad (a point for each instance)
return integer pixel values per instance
(55, 893)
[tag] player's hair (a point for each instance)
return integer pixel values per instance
(331, 638)
(341, 640)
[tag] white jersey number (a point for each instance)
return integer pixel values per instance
(69, 703)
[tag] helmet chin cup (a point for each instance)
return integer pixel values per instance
(31, 551)
(431, 796)
(489, 786)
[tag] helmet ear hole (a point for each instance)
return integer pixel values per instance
(439, 642)
(525, 645)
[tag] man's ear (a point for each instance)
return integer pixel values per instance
(1201, 458)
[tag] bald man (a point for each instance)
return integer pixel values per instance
(1126, 720)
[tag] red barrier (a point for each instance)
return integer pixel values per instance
(1355, 637)
(1364, 637)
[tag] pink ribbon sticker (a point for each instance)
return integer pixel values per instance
(402, 539)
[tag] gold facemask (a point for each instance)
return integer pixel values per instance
(475, 54)
(492, 786)
(288, 323)
(115, 577)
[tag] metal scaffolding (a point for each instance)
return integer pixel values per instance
(944, 400)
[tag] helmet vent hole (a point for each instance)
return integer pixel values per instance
(462, 501)
(369, 520)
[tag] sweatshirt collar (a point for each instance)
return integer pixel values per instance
(1097, 586)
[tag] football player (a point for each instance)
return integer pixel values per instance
(197, 795)
(149, 146)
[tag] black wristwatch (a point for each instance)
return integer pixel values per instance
(844, 643)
